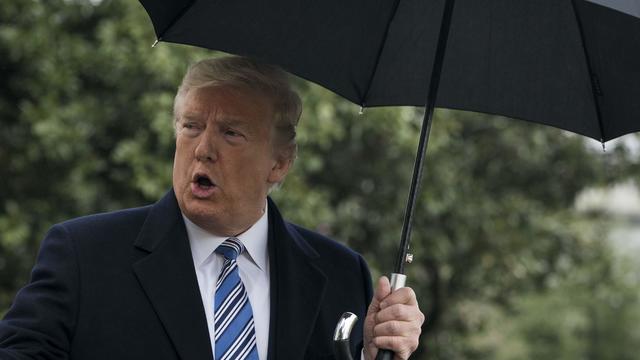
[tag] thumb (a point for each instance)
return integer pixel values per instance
(383, 289)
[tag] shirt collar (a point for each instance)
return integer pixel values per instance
(254, 239)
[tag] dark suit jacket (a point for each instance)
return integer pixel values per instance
(122, 285)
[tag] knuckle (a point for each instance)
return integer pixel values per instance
(411, 293)
(388, 328)
(397, 343)
(378, 330)
(397, 311)
(393, 343)
(405, 312)
(405, 354)
(393, 327)
(414, 344)
(379, 342)
(371, 309)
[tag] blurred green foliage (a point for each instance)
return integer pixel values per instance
(505, 268)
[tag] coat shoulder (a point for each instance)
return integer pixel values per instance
(106, 228)
(107, 220)
(324, 245)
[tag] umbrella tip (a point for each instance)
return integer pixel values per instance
(155, 43)
(604, 148)
(361, 110)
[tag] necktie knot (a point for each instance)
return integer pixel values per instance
(230, 248)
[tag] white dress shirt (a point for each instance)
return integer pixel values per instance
(253, 265)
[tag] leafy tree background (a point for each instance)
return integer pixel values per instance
(505, 268)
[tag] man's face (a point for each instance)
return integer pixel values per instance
(225, 161)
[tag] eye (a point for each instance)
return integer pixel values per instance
(233, 136)
(190, 128)
(190, 125)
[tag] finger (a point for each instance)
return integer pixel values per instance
(404, 295)
(397, 328)
(401, 346)
(400, 312)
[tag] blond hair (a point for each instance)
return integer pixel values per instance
(242, 72)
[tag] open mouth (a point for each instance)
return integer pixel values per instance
(203, 181)
(202, 187)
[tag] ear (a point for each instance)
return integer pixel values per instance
(280, 169)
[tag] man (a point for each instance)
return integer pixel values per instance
(212, 268)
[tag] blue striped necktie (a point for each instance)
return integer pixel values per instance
(235, 335)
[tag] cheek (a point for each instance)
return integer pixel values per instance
(181, 161)
(184, 150)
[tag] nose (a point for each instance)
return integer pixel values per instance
(206, 149)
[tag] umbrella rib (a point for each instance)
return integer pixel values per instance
(176, 18)
(380, 49)
(596, 90)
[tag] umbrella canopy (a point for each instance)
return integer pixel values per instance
(571, 64)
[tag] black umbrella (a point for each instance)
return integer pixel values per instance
(572, 64)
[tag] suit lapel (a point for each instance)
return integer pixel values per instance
(168, 277)
(297, 289)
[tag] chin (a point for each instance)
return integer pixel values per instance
(200, 209)
(194, 208)
(204, 219)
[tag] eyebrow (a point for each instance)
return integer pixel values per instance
(233, 121)
(239, 124)
(192, 116)
(230, 121)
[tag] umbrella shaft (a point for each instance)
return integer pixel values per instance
(424, 136)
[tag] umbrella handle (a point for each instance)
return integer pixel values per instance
(341, 345)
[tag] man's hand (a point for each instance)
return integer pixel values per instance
(393, 322)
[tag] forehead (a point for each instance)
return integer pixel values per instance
(227, 102)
